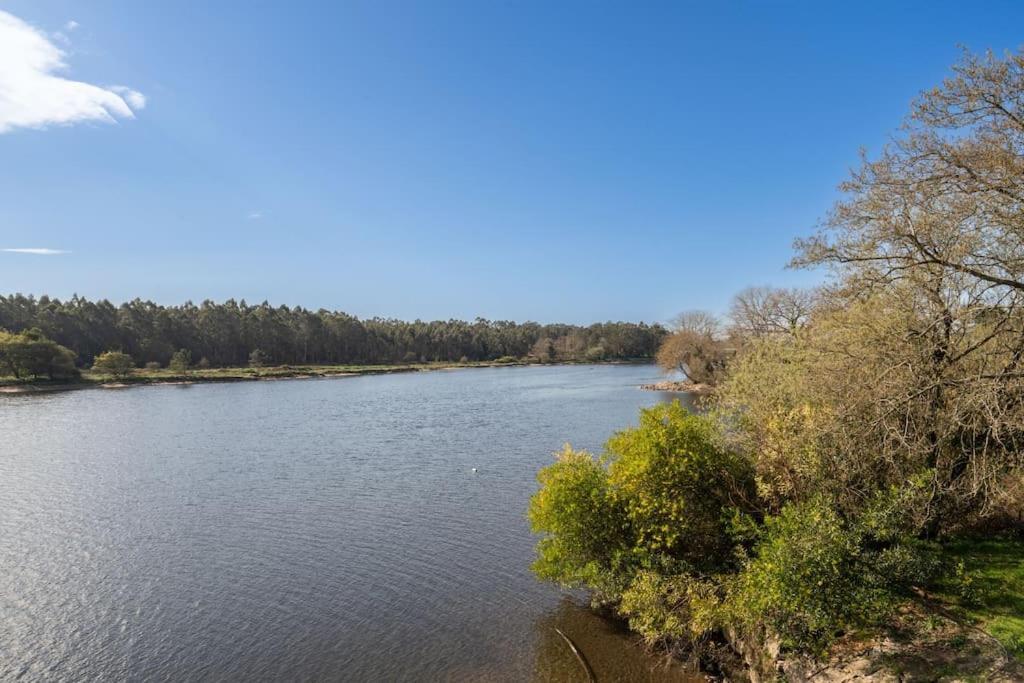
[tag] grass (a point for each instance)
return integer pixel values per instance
(995, 568)
(165, 375)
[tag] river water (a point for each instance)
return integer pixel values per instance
(327, 529)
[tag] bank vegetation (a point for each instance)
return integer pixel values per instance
(862, 438)
(48, 339)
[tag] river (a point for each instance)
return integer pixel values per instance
(363, 528)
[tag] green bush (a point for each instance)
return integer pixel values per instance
(814, 574)
(586, 539)
(667, 527)
(676, 484)
(644, 525)
(802, 581)
(181, 361)
(31, 354)
(673, 608)
(114, 363)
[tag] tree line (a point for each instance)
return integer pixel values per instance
(229, 333)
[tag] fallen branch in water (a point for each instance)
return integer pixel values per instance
(579, 656)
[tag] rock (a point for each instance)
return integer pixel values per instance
(686, 387)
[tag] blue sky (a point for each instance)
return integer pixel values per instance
(515, 160)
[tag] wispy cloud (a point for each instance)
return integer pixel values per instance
(33, 96)
(134, 98)
(38, 251)
(62, 36)
(255, 215)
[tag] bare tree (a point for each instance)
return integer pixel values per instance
(945, 197)
(759, 311)
(702, 323)
(928, 244)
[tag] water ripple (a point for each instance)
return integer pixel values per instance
(304, 530)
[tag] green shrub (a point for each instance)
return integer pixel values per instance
(30, 353)
(586, 539)
(674, 608)
(814, 574)
(965, 585)
(667, 527)
(642, 525)
(676, 484)
(114, 363)
(181, 361)
(801, 581)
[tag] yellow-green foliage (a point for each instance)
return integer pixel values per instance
(806, 579)
(673, 480)
(666, 527)
(777, 419)
(673, 607)
(812, 572)
(586, 538)
(30, 354)
(646, 524)
(114, 363)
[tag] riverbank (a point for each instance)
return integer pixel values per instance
(145, 376)
(946, 633)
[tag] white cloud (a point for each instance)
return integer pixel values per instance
(39, 251)
(134, 98)
(71, 25)
(255, 215)
(32, 96)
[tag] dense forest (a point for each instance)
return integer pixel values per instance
(226, 334)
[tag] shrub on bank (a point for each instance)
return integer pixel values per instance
(31, 354)
(667, 529)
(115, 363)
(646, 526)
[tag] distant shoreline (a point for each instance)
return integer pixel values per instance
(164, 376)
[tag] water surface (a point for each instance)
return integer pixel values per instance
(301, 530)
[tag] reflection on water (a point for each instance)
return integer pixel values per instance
(307, 529)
